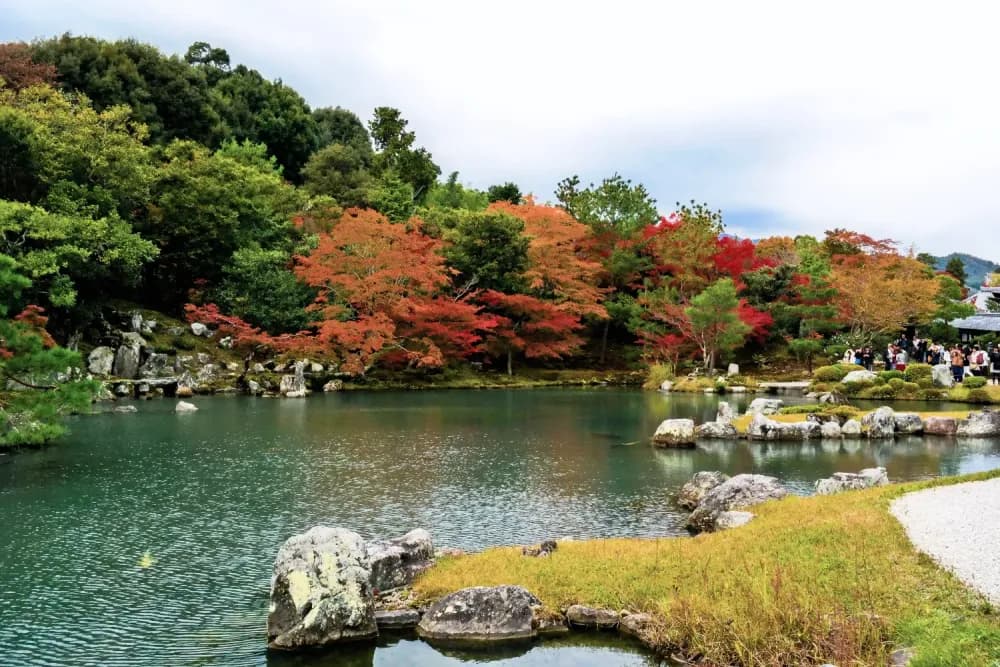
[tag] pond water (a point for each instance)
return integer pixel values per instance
(212, 495)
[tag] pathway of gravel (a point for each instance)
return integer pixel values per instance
(959, 527)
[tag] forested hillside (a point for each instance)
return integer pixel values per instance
(197, 187)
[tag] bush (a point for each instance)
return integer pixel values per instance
(890, 375)
(829, 374)
(973, 382)
(918, 372)
(878, 392)
(880, 380)
(658, 373)
(980, 395)
(908, 389)
(855, 388)
(896, 382)
(925, 383)
(932, 394)
(181, 343)
(807, 409)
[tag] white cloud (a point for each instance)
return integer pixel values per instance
(878, 116)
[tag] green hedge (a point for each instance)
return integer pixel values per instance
(918, 372)
(974, 382)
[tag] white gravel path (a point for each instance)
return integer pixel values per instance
(959, 527)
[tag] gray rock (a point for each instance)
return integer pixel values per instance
(732, 519)
(733, 369)
(143, 388)
(123, 389)
(186, 385)
(716, 431)
(226, 342)
(396, 562)
(156, 365)
(581, 616)
(851, 429)
(207, 372)
(737, 389)
(735, 493)
(481, 614)
(232, 366)
(848, 481)
(540, 550)
(101, 361)
(127, 357)
(204, 358)
(666, 386)
(832, 398)
(314, 367)
(199, 329)
(294, 386)
(321, 591)
(908, 422)
(125, 409)
(859, 376)
(881, 423)
(254, 388)
(830, 429)
(258, 368)
(724, 413)
(184, 406)
(333, 385)
(762, 428)
(397, 619)
(675, 433)
(942, 377)
(765, 406)
(902, 657)
(695, 488)
(984, 423)
(940, 426)
(634, 625)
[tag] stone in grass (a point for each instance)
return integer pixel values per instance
(634, 625)
(396, 562)
(848, 481)
(581, 616)
(321, 591)
(675, 433)
(736, 493)
(732, 519)
(548, 623)
(481, 614)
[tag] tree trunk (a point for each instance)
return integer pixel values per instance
(510, 361)
(604, 339)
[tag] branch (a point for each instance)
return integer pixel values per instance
(28, 384)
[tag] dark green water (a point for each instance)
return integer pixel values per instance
(211, 496)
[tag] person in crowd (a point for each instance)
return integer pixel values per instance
(995, 364)
(857, 358)
(868, 357)
(901, 359)
(957, 363)
(848, 356)
(978, 361)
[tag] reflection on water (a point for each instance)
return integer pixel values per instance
(211, 495)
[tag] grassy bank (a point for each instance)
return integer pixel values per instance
(463, 377)
(810, 580)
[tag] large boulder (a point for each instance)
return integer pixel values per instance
(848, 481)
(859, 376)
(156, 365)
(735, 493)
(184, 406)
(127, 357)
(881, 423)
(199, 329)
(765, 406)
(321, 591)
(942, 377)
(762, 428)
(592, 618)
(940, 426)
(101, 361)
(724, 413)
(851, 429)
(908, 423)
(831, 430)
(675, 433)
(396, 562)
(481, 614)
(186, 385)
(732, 519)
(695, 488)
(666, 386)
(717, 431)
(294, 385)
(985, 423)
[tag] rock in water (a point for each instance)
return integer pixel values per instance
(591, 617)
(333, 385)
(481, 614)
(848, 481)
(101, 360)
(830, 430)
(294, 386)
(321, 591)
(765, 406)
(397, 561)
(716, 431)
(184, 406)
(724, 413)
(695, 489)
(666, 386)
(675, 433)
(851, 429)
(985, 423)
(908, 423)
(733, 494)
(940, 426)
(941, 376)
(881, 423)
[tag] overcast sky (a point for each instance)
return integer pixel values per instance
(789, 116)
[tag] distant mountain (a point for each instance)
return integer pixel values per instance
(976, 268)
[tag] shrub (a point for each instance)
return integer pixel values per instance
(658, 373)
(932, 394)
(880, 380)
(806, 409)
(855, 388)
(925, 383)
(980, 395)
(918, 372)
(973, 382)
(896, 382)
(890, 375)
(908, 389)
(879, 391)
(181, 343)
(829, 374)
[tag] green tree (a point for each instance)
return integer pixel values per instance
(505, 192)
(453, 195)
(714, 324)
(340, 126)
(391, 196)
(39, 381)
(956, 267)
(616, 204)
(414, 166)
(259, 286)
(488, 250)
(338, 171)
(928, 259)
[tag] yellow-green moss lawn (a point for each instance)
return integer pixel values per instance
(810, 580)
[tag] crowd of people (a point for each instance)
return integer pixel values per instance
(976, 360)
